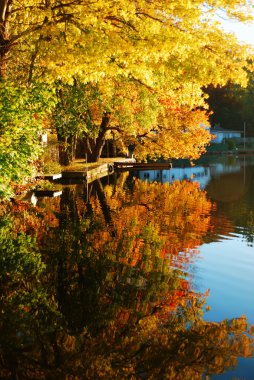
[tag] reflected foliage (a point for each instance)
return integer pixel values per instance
(235, 205)
(99, 289)
(28, 314)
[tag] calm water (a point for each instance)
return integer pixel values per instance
(142, 275)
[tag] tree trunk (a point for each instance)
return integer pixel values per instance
(3, 57)
(4, 36)
(96, 148)
(67, 147)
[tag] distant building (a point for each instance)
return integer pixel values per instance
(221, 134)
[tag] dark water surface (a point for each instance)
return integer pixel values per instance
(142, 275)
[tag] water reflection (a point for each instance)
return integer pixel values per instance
(102, 289)
(229, 184)
(203, 172)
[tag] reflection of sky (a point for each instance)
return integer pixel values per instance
(227, 269)
(244, 371)
(225, 266)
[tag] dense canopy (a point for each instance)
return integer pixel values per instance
(129, 71)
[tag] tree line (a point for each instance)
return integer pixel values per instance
(231, 105)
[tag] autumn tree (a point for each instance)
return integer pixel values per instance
(101, 39)
(152, 101)
(91, 114)
(139, 56)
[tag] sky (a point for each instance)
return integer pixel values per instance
(243, 31)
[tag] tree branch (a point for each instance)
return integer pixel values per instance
(4, 5)
(138, 13)
(121, 21)
(142, 83)
(111, 128)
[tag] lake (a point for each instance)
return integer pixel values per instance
(140, 275)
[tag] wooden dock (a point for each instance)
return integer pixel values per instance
(142, 166)
(89, 175)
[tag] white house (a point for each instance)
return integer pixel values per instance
(221, 134)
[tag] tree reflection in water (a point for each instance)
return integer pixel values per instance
(99, 290)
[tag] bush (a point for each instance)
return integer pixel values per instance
(231, 144)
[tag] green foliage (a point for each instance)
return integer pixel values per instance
(231, 144)
(22, 110)
(73, 113)
(52, 168)
(220, 147)
(28, 315)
